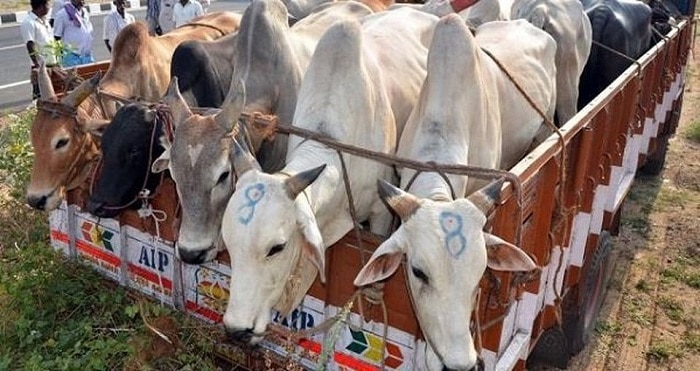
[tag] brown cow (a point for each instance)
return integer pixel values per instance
(64, 150)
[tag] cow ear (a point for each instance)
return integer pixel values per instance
(178, 107)
(162, 162)
(504, 256)
(384, 261)
(312, 244)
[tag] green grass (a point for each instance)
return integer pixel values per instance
(56, 314)
(672, 308)
(693, 132)
(662, 351)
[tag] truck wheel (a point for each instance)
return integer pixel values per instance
(655, 161)
(552, 349)
(580, 327)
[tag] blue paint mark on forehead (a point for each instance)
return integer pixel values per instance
(451, 224)
(253, 194)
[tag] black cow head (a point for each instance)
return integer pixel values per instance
(129, 146)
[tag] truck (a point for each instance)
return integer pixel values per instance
(562, 207)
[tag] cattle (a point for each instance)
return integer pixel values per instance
(140, 65)
(204, 70)
(362, 81)
(128, 149)
(63, 145)
(622, 25)
(133, 71)
(269, 62)
(299, 9)
(570, 27)
(474, 12)
(564, 20)
(442, 236)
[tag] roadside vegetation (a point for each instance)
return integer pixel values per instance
(57, 314)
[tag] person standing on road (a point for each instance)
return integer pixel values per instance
(73, 28)
(185, 10)
(36, 33)
(152, 14)
(114, 22)
(165, 19)
(57, 5)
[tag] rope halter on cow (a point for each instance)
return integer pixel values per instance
(162, 120)
(68, 107)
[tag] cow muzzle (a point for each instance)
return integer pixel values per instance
(193, 256)
(101, 210)
(479, 366)
(244, 336)
(46, 202)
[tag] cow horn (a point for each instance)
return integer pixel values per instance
(232, 107)
(79, 94)
(486, 197)
(45, 87)
(297, 183)
(243, 160)
(403, 203)
(178, 107)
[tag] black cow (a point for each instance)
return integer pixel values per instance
(204, 70)
(129, 145)
(664, 15)
(623, 25)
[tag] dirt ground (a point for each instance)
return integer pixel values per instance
(651, 317)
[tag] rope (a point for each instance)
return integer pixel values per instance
(619, 54)
(265, 121)
(194, 24)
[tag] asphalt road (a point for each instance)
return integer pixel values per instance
(15, 90)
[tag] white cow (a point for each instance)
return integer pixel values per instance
(474, 12)
(565, 20)
(271, 59)
(488, 124)
(360, 87)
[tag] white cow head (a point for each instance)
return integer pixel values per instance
(446, 252)
(269, 229)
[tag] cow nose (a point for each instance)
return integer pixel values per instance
(240, 335)
(192, 256)
(37, 202)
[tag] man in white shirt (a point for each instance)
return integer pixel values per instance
(37, 34)
(114, 22)
(165, 19)
(72, 26)
(57, 5)
(185, 10)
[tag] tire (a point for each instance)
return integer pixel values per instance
(654, 164)
(580, 326)
(552, 349)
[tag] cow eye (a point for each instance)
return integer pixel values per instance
(276, 250)
(420, 274)
(61, 143)
(223, 177)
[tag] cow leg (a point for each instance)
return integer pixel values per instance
(567, 96)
